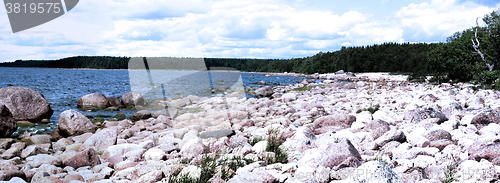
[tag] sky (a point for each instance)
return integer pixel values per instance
(236, 28)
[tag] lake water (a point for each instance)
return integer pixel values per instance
(63, 87)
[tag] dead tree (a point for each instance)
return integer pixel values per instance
(478, 51)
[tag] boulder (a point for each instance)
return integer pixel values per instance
(38, 139)
(119, 150)
(73, 123)
(374, 171)
(288, 97)
(488, 152)
(391, 135)
(5, 143)
(377, 128)
(337, 154)
(333, 122)
(142, 114)
(255, 176)
(486, 117)
(7, 175)
(132, 99)
(85, 158)
(193, 148)
(438, 135)
(113, 101)
(265, 91)
(101, 140)
(93, 99)
(217, 134)
(8, 124)
(417, 115)
(40, 159)
(25, 104)
(165, 120)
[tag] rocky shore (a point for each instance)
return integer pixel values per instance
(378, 128)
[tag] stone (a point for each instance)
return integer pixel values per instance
(119, 150)
(377, 128)
(265, 91)
(39, 139)
(8, 124)
(193, 148)
(165, 120)
(260, 147)
(132, 99)
(88, 157)
(440, 144)
(5, 143)
(217, 134)
(31, 151)
(255, 176)
(391, 135)
(417, 115)
(25, 104)
(93, 99)
(70, 177)
(289, 97)
(73, 123)
(337, 154)
(114, 101)
(484, 118)
(38, 160)
(61, 144)
(7, 175)
(101, 140)
(488, 152)
(375, 171)
(146, 167)
(438, 135)
(151, 177)
(136, 155)
(334, 122)
(142, 114)
(451, 109)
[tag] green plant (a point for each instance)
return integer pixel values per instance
(379, 157)
(254, 140)
(100, 152)
(274, 140)
(450, 170)
(466, 105)
(98, 119)
(120, 116)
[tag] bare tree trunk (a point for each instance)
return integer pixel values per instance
(478, 51)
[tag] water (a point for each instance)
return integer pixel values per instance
(63, 87)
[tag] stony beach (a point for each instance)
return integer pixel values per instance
(376, 128)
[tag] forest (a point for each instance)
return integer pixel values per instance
(469, 55)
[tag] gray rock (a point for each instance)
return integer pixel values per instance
(438, 135)
(142, 114)
(39, 139)
(7, 175)
(61, 144)
(5, 143)
(8, 124)
(391, 135)
(88, 157)
(488, 152)
(265, 91)
(335, 122)
(73, 123)
(25, 104)
(113, 101)
(165, 120)
(38, 160)
(377, 128)
(101, 140)
(375, 171)
(417, 115)
(217, 134)
(31, 151)
(486, 117)
(93, 99)
(337, 154)
(132, 99)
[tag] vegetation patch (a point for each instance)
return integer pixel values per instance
(120, 116)
(274, 140)
(370, 109)
(308, 88)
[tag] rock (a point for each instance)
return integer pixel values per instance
(38, 160)
(154, 154)
(61, 144)
(25, 104)
(484, 118)
(88, 157)
(70, 177)
(391, 135)
(31, 151)
(217, 134)
(488, 152)
(337, 154)
(5, 143)
(374, 171)
(113, 101)
(262, 82)
(417, 115)
(450, 109)
(260, 147)
(93, 99)
(193, 148)
(151, 177)
(119, 150)
(132, 99)
(289, 97)
(377, 128)
(142, 114)
(334, 122)
(255, 176)
(8, 124)
(440, 144)
(73, 123)
(101, 140)
(475, 103)
(265, 91)
(492, 129)
(438, 135)
(115, 160)
(165, 120)
(39, 139)
(146, 167)
(7, 175)
(349, 86)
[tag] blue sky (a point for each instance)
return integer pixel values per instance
(239, 28)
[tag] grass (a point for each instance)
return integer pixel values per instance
(307, 88)
(370, 109)
(98, 119)
(120, 116)
(450, 170)
(254, 141)
(25, 125)
(466, 105)
(274, 140)
(379, 157)
(100, 152)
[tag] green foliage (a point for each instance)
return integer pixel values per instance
(25, 125)
(274, 140)
(450, 171)
(120, 116)
(307, 88)
(370, 109)
(254, 140)
(97, 119)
